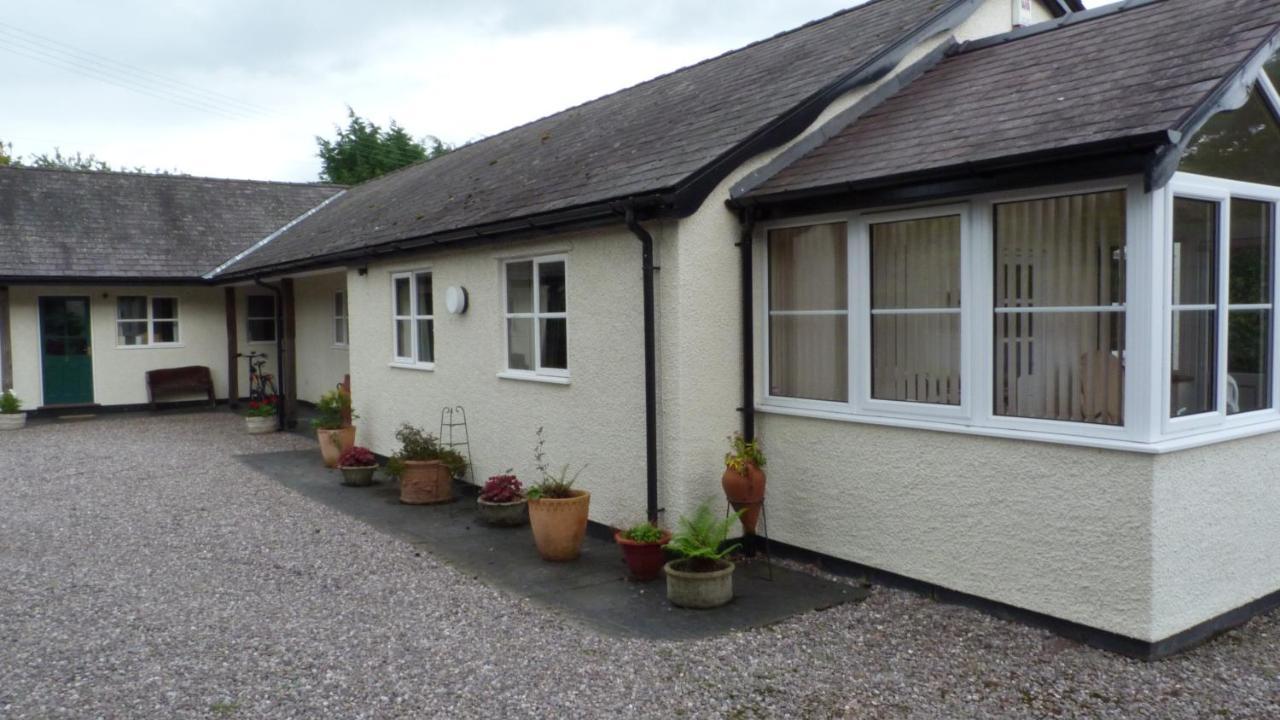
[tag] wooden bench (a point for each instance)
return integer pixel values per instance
(188, 380)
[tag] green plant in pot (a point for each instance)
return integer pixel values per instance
(642, 549)
(426, 468)
(335, 434)
(744, 479)
(558, 512)
(11, 415)
(261, 417)
(701, 577)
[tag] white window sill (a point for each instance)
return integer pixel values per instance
(420, 367)
(534, 377)
(340, 347)
(152, 346)
(260, 342)
(1160, 447)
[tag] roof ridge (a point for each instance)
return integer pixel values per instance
(1068, 20)
(168, 176)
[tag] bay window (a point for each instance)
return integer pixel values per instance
(808, 312)
(413, 319)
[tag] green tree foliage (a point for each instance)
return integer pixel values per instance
(363, 150)
(6, 153)
(77, 161)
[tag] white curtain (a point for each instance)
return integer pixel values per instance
(808, 313)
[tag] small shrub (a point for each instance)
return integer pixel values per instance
(502, 489)
(418, 445)
(645, 532)
(551, 486)
(9, 403)
(263, 408)
(330, 410)
(699, 537)
(742, 453)
(357, 456)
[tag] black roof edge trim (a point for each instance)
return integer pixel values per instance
(1230, 94)
(1138, 144)
(1073, 18)
(90, 280)
(693, 191)
(839, 122)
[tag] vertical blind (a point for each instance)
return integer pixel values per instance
(809, 313)
(1059, 308)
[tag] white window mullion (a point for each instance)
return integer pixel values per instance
(1224, 299)
(980, 303)
(858, 260)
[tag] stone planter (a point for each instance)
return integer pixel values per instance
(425, 483)
(358, 476)
(644, 560)
(261, 425)
(559, 525)
(335, 442)
(511, 514)
(700, 590)
(13, 421)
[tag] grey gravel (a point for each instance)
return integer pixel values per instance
(147, 574)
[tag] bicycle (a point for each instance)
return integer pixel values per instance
(262, 386)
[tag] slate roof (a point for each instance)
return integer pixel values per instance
(650, 138)
(1135, 71)
(64, 224)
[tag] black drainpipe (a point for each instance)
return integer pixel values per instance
(650, 364)
(747, 218)
(280, 384)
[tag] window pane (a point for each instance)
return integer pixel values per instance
(1242, 144)
(164, 332)
(916, 358)
(1061, 252)
(1195, 252)
(131, 333)
(551, 287)
(1194, 381)
(423, 282)
(260, 306)
(555, 343)
(403, 297)
(1248, 361)
(1060, 366)
(520, 287)
(1273, 70)
(426, 341)
(164, 308)
(916, 264)
(339, 305)
(1250, 252)
(340, 331)
(404, 338)
(808, 268)
(131, 308)
(808, 357)
(262, 330)
(520, 343)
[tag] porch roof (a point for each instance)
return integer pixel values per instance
(1142, 74)
(82, 226)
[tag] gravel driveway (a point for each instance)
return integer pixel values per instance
(148, 574)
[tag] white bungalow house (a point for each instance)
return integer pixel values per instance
(992, 280)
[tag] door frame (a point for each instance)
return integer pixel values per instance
(93, 389)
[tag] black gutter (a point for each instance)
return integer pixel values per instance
(91, 280)
(650, 363)
(747, 218)
(282, 398)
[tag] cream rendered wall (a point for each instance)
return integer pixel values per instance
(321, 362)
(596, 420)
(119, 373)
(1215, 532)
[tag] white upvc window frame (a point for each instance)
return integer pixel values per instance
(976, 414)
(248, 318)
(557, 375)
(150, 321)
(1220, 191)
(341, 319)
(411, 361)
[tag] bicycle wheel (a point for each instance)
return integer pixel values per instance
(268, 386)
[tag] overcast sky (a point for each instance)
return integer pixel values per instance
(239, 88)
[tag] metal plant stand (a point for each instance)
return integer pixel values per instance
(764, 533)
(452, 418)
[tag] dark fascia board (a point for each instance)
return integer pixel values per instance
(91, 280)
(1112, 158)
(679, 201)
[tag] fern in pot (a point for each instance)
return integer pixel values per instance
(701, 577)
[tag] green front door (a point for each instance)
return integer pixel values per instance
(66, 354)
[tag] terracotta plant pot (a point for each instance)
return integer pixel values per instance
(510, 514)
(645, 560)
(425, 482)
(335, 442)
(13, 421)
(560, 525)
(261, 425)
(745, 491)
(699, 590)
(358, 476)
